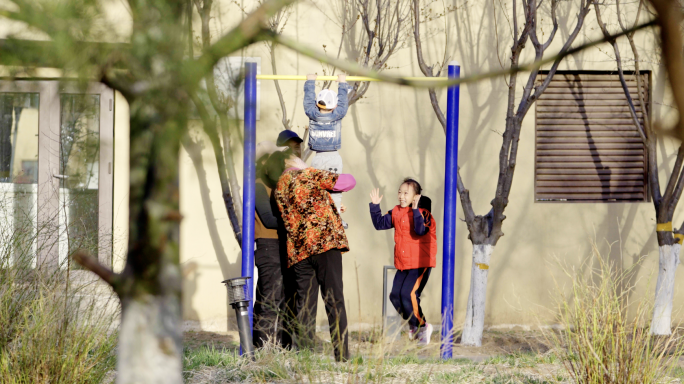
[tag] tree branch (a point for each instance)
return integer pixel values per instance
(670, 19)
(506, 168)
(353, 68)
(515, 23)
(554, 5)
(673, 194)
(210, 129)
(427, 71)
(90, 263)
(566, 50)
(652, 149)
(509, 148)
(621, 75)
(382, 37)
(285, 121)
(244, 34)
(199, 67)
(465, 198)
(226, 169)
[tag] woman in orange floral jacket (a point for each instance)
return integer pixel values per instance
(315, 242)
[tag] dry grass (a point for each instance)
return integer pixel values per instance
(207, 362)
(373, 362)
(605, 340)
(54, 326)
(605, 337)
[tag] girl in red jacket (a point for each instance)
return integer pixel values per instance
(415, 250)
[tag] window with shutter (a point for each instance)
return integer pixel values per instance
(587, 147)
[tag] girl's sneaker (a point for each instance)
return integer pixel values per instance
(412, 332)
(424, 334)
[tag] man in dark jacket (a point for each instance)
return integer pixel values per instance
(291, 139)
(267, 257)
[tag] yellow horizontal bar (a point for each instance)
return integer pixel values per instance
(334, 78)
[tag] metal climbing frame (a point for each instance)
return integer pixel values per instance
(451, 168)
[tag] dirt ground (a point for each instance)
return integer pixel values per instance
(494, 343)
(194, 340)
(423, 363)
(511, 356)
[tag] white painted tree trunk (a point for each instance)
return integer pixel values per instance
(150, 346)
(475, 313)
(662, 309)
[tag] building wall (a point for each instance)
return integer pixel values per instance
(392, 133)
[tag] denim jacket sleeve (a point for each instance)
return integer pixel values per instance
(342, 103)
(310, 108)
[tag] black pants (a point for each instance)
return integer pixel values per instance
(405, 295)
(269, 292)
(325, 271)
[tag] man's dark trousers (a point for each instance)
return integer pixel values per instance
(322, 271)
(269, 292)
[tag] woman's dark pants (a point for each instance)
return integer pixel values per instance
(322, 271)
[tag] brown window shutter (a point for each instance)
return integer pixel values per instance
(587, 148)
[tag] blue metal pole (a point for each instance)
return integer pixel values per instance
(450, 204)
(249, 181)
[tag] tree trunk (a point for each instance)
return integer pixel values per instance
(149, 334)
(475, 313)
(150, 346)
(662, 309)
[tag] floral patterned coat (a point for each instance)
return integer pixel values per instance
(311, 220)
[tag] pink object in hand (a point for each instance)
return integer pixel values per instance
(345, 182)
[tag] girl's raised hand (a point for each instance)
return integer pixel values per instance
(416, 199)
(375, 196)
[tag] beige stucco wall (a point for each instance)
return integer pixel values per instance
(392, 133)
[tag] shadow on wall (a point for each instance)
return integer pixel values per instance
(617, 229)
(191, 275)
(194, 147)
(611, 229)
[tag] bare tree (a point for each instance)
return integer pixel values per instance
(670, 19)
(277, 24)
(384, 24)
(486, 230)
(434, 70)
(221, 106)
(157, 78)
(669, 16)
(664, 204)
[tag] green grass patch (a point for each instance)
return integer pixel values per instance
(523, 359)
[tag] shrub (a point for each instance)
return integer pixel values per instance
(56, 326)
(605, 336)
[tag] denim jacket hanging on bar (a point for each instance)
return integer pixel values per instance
(325, 129)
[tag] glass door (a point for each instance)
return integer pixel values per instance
(56, 165)
(19, 122)
(85, 173)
